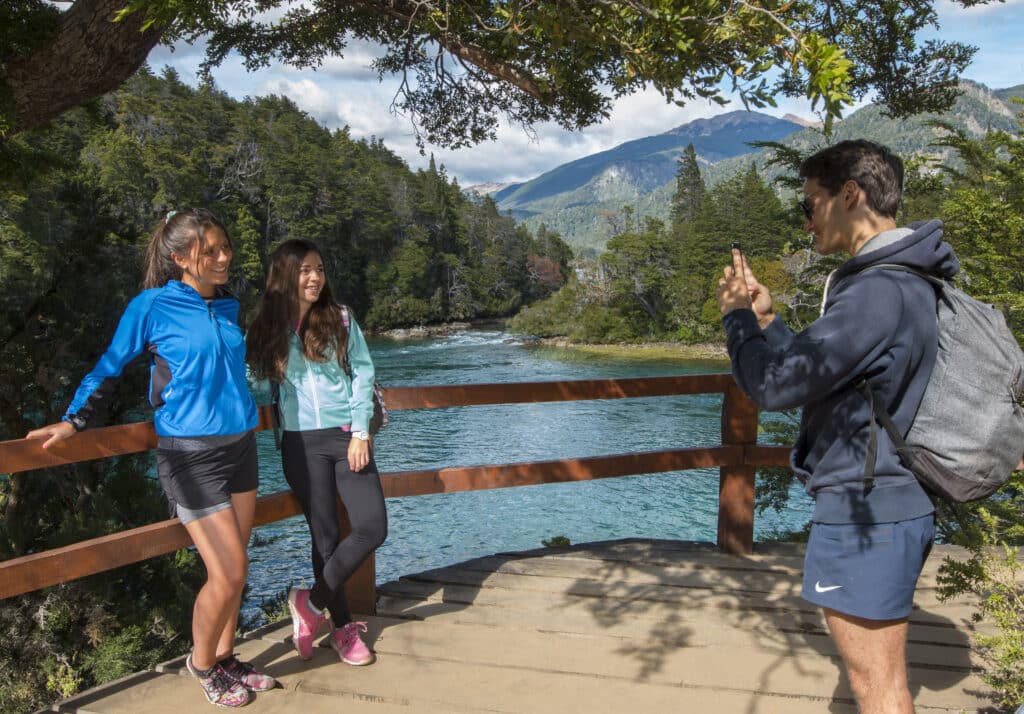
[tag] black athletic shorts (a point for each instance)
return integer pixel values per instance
(199, 475)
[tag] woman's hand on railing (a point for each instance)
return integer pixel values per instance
(52, 433)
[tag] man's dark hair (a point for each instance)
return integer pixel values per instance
(877, 171)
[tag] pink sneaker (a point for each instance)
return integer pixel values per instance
(304, 623)
(349, 645)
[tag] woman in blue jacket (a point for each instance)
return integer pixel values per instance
(204, 420)
(307, 344)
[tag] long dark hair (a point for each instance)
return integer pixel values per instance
(321, 332)
(176, 234)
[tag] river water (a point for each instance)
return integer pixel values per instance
(431, 531)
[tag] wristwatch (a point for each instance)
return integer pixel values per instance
(361, 435)
(75, 421)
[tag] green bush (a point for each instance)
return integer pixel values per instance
(995, 576)
(992, 532)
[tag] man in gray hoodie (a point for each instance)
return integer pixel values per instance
(869, 537)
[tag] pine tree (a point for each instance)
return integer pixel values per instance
(690, 191)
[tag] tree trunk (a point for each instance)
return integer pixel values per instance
(89, 56)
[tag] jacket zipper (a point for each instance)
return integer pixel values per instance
(312, 387)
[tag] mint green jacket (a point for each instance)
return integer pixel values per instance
(319, 395)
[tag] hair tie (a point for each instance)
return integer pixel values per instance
(170, 215)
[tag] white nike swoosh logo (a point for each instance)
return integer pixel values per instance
(819, 589)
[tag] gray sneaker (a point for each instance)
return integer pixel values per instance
(219, 687)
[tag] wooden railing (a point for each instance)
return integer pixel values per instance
(737, 457)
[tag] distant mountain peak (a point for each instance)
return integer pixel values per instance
(641, 165)
(486, 189)
(802, 122)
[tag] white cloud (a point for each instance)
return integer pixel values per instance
(358, 55)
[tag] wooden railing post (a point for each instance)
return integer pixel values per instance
(736, 482)
(361, 588)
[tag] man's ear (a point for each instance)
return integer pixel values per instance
(850, 193)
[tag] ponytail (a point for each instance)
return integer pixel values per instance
(175, 235)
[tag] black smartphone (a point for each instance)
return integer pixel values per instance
(736, 246)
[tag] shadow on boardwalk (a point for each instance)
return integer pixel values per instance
(629, 625)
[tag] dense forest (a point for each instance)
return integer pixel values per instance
(78, 201)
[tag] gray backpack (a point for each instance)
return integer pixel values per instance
(968, 434)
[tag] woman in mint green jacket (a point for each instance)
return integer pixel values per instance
(310, 346)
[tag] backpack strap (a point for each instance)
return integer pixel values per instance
(879, 414)
(934, 280)
(346, 321)
(275, 412)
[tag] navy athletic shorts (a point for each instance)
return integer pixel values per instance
(867, 571)
(199, 475)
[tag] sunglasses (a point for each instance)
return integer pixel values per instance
(807, 208)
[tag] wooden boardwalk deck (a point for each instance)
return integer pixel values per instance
(631, 626)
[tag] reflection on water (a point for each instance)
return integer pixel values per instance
(429, 531)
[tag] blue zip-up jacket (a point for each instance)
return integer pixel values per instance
(197, 379)
(880, 324)
(319, 395)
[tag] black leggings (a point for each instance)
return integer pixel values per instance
(316, 467)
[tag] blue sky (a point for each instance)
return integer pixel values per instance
(345, 92)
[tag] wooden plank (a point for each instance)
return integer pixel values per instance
(530, 635)
(88, 557)
(413, 671)
(26, 454)
(579, 615)
(767, 455)
(468, 586)
(787, 664)
(23, 455)
(154, 693)
(474, 478)
(19, 455)
(433, 397)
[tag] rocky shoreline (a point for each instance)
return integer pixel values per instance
(441, 330)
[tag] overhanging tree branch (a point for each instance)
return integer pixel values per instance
(87, 57)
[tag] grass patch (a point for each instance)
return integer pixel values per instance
(659, 351)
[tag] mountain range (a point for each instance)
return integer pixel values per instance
(581, 198)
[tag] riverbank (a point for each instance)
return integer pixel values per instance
(443, 329)
(647, 351)
(711, 351)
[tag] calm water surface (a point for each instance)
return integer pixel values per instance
(430, 531)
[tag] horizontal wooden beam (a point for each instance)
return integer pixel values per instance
(20, 455)
(476, 478)
(767, 456)
(457, 395)
(26, 454)
(40, 570)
